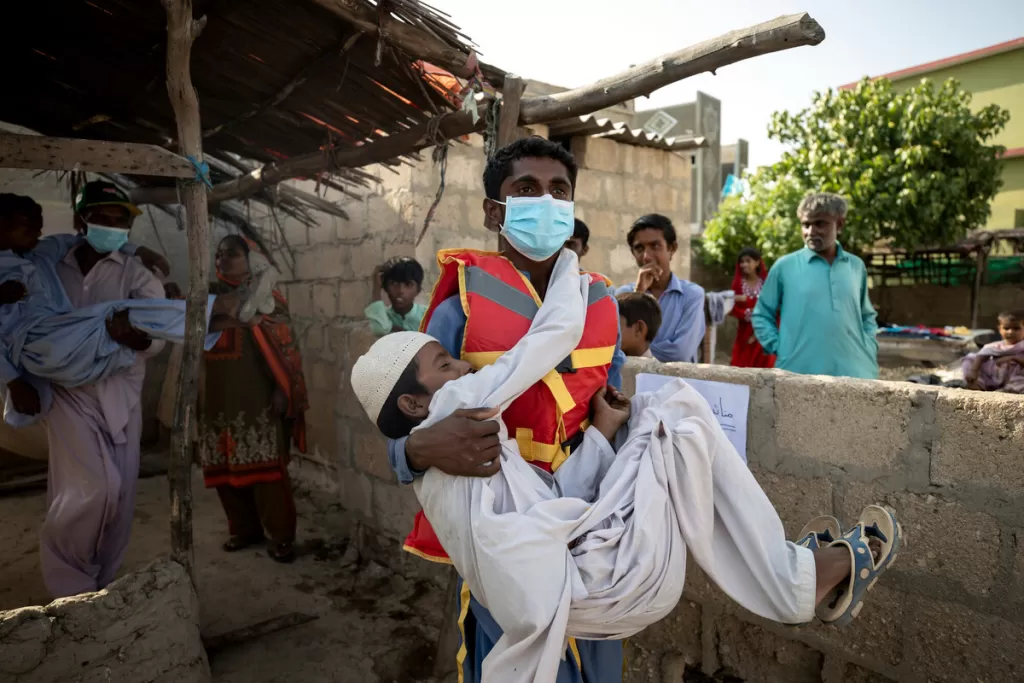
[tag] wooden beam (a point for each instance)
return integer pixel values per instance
(453, 125)
(182, 30)
(411, 40)
(508, 122)
(779, 34)
(39, 152)
(772, 36)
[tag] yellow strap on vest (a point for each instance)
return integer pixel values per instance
(581, 358)
(554, 382)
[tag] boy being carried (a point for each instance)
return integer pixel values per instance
(597, 550)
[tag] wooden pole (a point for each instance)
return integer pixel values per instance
(771, 36)
(508, 122)
(182, 30)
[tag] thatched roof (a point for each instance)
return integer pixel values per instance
(275, 78)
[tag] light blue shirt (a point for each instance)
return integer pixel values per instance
(828, 323)
(682, 321)
(447, 325)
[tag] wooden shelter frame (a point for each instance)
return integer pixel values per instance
(194, 192)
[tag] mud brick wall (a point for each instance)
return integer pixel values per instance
(142, 628)
(948, 461)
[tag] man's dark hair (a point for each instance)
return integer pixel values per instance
(635, 306)
(499, 166)
(401, 269)
(13, 204)
(581, 232)
(653, 221)
(748, 251)
(392, 422)
(238, 241)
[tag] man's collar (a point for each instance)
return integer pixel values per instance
(674, 284)
(70, 259)
(841, 254)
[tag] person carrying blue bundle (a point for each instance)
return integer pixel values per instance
(44, 338)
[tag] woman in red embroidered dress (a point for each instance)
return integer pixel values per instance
(253, 404)
(747, 283)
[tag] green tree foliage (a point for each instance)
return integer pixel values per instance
(916, 167)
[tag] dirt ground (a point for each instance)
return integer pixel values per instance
(372, 626)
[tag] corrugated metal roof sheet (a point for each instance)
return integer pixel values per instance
(621, 132)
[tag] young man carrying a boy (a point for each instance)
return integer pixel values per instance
(529, 187)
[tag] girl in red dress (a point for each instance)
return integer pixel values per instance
(750, 276)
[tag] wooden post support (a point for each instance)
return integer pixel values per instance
(182, 30)
(979, 280)
(508, 123)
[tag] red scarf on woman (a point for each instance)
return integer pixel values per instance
(279, 350)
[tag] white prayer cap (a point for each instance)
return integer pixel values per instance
(376, 373)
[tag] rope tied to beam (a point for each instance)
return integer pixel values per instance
(440, 158)
(202, 171)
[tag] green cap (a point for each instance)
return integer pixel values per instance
(102, 193)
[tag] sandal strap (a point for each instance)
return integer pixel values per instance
(875, 532)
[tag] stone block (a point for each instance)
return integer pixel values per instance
(311, 339)
(638, 195)
(948, 642)
(666, 201)
(324, 230)
(612, 190)
(797, 500)
(353, 298)
(981, 438)
(943, 538)
(325, 299)
(143, 628)
(603, 223)
(323, 261)
(394, 508)
(623, 264)
(842, 422)
(589, 189)
(596, 154)
(754, 654)
(324, 376)
(296, 233)
(678, 166)
(628, 159)
(370, 452)
(300, 299)
(364, 259)
(356, 492)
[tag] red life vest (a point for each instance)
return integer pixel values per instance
(500, 303)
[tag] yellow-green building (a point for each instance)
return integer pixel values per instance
(993, 74)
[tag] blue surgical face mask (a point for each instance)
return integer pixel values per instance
(537, 227)
(104, 239)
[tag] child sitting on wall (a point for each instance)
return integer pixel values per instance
(597, 550)
(398, 281)
(639, 322)
(999, 366)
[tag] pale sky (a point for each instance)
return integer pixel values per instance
(574, 42)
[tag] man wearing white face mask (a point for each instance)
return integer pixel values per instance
(482, 305)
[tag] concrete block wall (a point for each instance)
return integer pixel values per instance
(949, 463)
